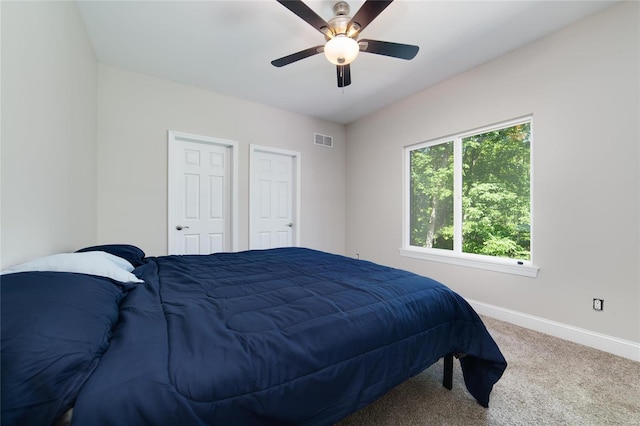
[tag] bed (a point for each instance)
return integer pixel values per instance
(288, 336)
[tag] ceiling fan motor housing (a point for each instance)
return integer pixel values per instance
(339, 23)
(341, 8)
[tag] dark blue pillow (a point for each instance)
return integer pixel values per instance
(131, 254)
(55, 326)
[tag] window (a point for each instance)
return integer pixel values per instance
(469, 199)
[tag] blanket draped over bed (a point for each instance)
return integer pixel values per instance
(286, 336)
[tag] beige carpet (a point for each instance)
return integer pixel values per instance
(549, 381)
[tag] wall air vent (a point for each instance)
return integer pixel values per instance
(323, 140)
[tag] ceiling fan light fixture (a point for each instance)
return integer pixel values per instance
(341, 50)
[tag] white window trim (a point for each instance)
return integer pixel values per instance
(490, 263)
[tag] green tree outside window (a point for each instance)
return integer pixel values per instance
(495, 207)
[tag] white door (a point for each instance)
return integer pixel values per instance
(274, 198)
(200, 195)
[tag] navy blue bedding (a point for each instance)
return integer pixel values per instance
(55, 327)
(283, 336)
(286, 336)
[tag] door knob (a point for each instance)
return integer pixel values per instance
(180, 227)
(290, 225)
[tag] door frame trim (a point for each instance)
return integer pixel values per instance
(172, 138)
(297, 160)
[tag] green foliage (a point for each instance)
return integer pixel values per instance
(431, 195)
(495, 194)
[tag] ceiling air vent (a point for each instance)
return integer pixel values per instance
(323, 140)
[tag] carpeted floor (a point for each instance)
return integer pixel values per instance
(549, 381)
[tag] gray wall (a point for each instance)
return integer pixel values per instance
(84, 146)
(582, 86)
(49, 94)
(134, 113)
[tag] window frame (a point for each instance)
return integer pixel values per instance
(456, 256)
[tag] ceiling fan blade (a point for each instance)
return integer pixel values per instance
(344, 75)
(286, 60)
(395, 50)
(367, 13)
(306, 14)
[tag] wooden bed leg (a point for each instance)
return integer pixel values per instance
(447, 379)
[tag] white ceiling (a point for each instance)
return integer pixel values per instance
(227, 46)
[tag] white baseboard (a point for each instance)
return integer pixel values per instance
(603, 342)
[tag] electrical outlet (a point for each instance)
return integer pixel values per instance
(598, 304)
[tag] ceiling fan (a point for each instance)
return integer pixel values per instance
(341, 33)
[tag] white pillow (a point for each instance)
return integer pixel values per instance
(93, 263)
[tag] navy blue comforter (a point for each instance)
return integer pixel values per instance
(284, 336)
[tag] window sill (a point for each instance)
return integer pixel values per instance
(506, 266)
